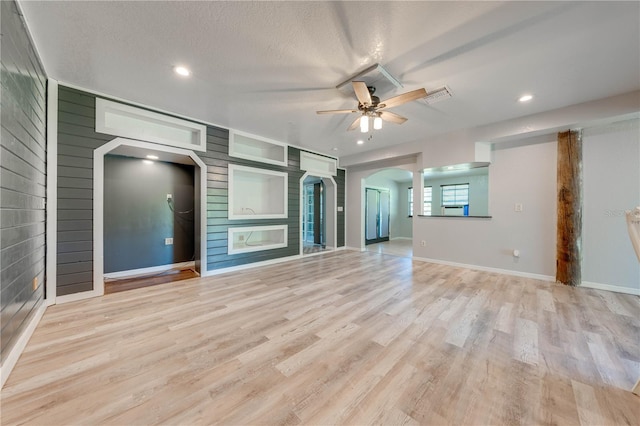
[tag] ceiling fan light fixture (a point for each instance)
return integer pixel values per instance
(377, 123)
(364, 124)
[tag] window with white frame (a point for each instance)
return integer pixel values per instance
(455, 195)
(426, 206)
(428, 196)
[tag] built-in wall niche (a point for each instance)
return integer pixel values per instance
(256, 148)
(257, 193)
(114, 118)
(318, 165)
(256, 238)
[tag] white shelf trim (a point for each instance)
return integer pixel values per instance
(237, 203)
(117, 119)
(242, 144)
(281, 241)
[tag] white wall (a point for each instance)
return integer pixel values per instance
(405, 222)
(525, 174)
(611, 172)
(523, 170)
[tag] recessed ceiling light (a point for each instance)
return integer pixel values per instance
(183, 71)
(335, 148)
(525, 98)
(152, 157)
(360, 142)
(147, 162)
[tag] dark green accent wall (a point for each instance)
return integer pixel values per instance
(138, 217)
(218, 160)
(22, 178)
(76, 141)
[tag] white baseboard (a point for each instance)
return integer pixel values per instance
(21, 343)
(149, 270)
(251, 265)
(353, 248)
(400, 238)
(488, 269)
(74, 297)
(609, 287)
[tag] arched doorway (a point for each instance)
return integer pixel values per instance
(388, 221)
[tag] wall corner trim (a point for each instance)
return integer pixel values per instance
(12, 359)
(52, 192)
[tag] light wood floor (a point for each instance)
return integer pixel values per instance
(340, 338)
(398, 247)
(125, 284)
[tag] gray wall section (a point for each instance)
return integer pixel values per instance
(217, 160)
(138, 218)
(22, 178)
(76, 142)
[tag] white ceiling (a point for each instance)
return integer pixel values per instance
(266, 67)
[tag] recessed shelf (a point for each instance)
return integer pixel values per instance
(256, 148)
(117, 119)
(257, 193)
(318, 165)
(256, 238)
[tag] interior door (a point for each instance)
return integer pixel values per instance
(308, 214)
(317, 214)
(385, 207)
(377, 208)
(371, 214)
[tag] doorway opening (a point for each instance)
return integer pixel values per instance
(165, 214)
(387, 209)
(318, 217)
(314, 227)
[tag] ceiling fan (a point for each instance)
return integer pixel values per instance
(370, 106)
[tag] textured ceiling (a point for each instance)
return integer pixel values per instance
(266, 67)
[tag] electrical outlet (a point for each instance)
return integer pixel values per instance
(423, 243)
(168, 241)
(35, 283)
(518, 207)
(169, 197)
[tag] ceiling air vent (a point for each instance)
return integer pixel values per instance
(437, 95)
(377, 76)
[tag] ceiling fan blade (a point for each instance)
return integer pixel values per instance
(402, 99)
(392, 117)
(337, 111)
(355, 124)
(362, 92)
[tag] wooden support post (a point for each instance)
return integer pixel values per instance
(568, 246)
